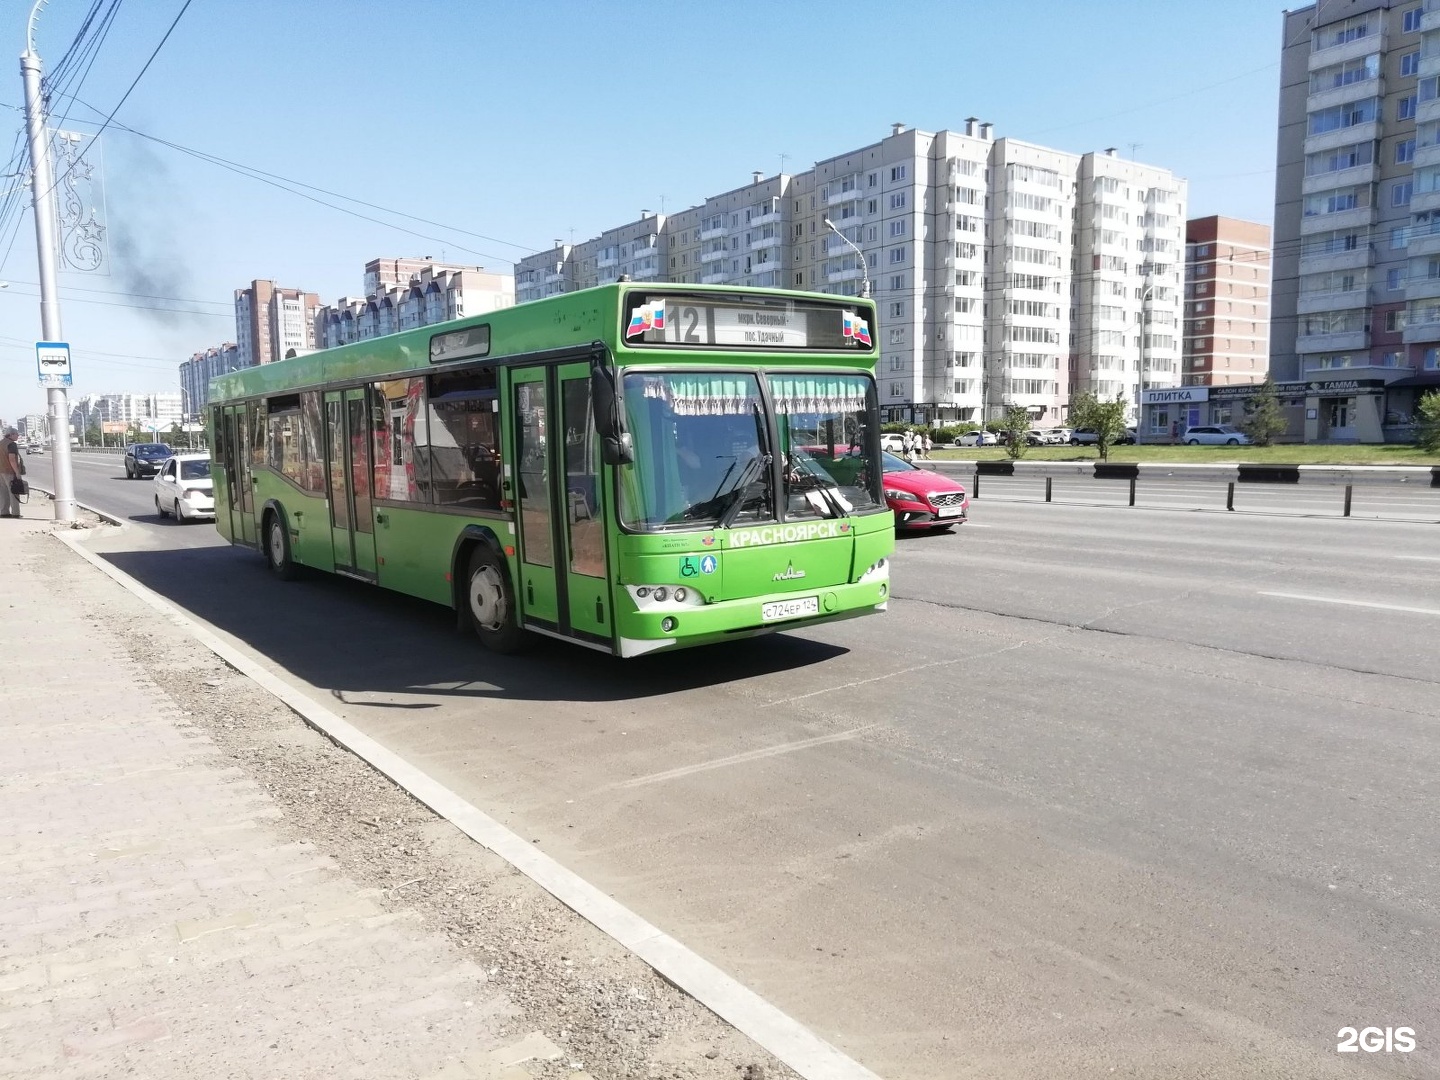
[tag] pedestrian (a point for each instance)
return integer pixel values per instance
(12, 468)
(925, 448)
(907, 444)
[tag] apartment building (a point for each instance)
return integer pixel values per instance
(1356, 298)
(402, 294)
(270, 320)
(196, 373)
(1227, 302)
(1005, 273)
(158, 411)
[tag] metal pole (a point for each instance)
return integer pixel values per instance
(1230, 497)
(1132, 491)
(1349, 489)
(1048, 481)
(42, 187)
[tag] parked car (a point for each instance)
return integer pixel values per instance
(977, 438)
(892, 442)
(1215, 435)
(145, 459)
(922, 499)
(183, 487)
(1084, 436)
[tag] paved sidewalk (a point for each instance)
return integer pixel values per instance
(155, 922)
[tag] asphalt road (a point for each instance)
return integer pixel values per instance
(1108, 792)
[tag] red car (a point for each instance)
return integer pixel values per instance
(922, 499)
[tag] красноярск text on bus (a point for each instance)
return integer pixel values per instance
(630, 467)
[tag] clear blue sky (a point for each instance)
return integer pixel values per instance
(512, 124)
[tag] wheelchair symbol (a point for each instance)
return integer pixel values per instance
(687, 567)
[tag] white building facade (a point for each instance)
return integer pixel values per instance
(409, 293)
(1004, 273)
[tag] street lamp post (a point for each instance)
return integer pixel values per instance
(1145, 296)
(42, 187)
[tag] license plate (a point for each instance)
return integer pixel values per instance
(948, 511)
(790, 609)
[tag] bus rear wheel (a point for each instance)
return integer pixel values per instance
(491, 602)
(277, 549)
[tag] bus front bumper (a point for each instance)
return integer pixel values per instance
(680, 626)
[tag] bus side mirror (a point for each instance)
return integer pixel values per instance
(616, 447)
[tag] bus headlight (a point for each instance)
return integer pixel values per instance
(876, 571)
(665, 597)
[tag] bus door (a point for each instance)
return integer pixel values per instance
(559, 502)
(236, 422)
(347, 446)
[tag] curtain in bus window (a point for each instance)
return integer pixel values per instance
(359, 462)
(532, 474)
(396, 474)
(703, 394)
(459, 448)
(818, 393)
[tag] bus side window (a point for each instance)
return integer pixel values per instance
(461, 451)
(582, 480)
(401, 470)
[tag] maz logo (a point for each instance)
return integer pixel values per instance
(790, 574)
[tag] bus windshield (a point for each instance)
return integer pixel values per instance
(703, 453)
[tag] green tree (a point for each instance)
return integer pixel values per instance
(1014, 426)
(1427, 422)
(1107, 418)
(1263, 418)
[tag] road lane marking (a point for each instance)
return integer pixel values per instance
(749, 755)
(796, 1045)
(1354, 603)
(1418, 558)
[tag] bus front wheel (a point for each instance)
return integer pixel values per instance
(277, 549)
(492, 602)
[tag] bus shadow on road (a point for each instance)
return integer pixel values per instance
(368, 646)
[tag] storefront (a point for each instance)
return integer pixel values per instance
(1318, 411)
(1166, 414)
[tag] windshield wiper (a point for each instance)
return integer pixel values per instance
(753, 469)
(826, 490)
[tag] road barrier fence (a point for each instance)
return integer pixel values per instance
(1347, 476)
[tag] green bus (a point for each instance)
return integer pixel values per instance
(630, 467)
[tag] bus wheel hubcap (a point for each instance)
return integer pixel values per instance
(277, 545)
(487, 598)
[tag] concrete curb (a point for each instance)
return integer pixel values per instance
(785, 1038)
(101, 514)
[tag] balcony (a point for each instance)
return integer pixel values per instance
(838, 197)
(1355, 259)
(765, 242)
(1424, 200)
(766, 218)
(1348, 50)
(1338, 342)
(1360, 217)
(1427, 110)
(713, 234)
(1356, 174)
(1430, 18)
(1426, 288)
(1343, 95)
(1421, 244)
(1421, 333)
(1333, 140)
(1426, 155)
(1309, 303)
(711, 256)
(717, 278)
(854, 274)
(605, 262)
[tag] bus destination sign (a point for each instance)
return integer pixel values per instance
(797, 325)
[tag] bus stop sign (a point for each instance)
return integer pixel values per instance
(52, 359)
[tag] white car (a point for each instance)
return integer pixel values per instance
(977, 438)
(892, 442)
(1216, 435)
(183, 488)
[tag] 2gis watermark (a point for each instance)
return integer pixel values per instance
(1375, 1040)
